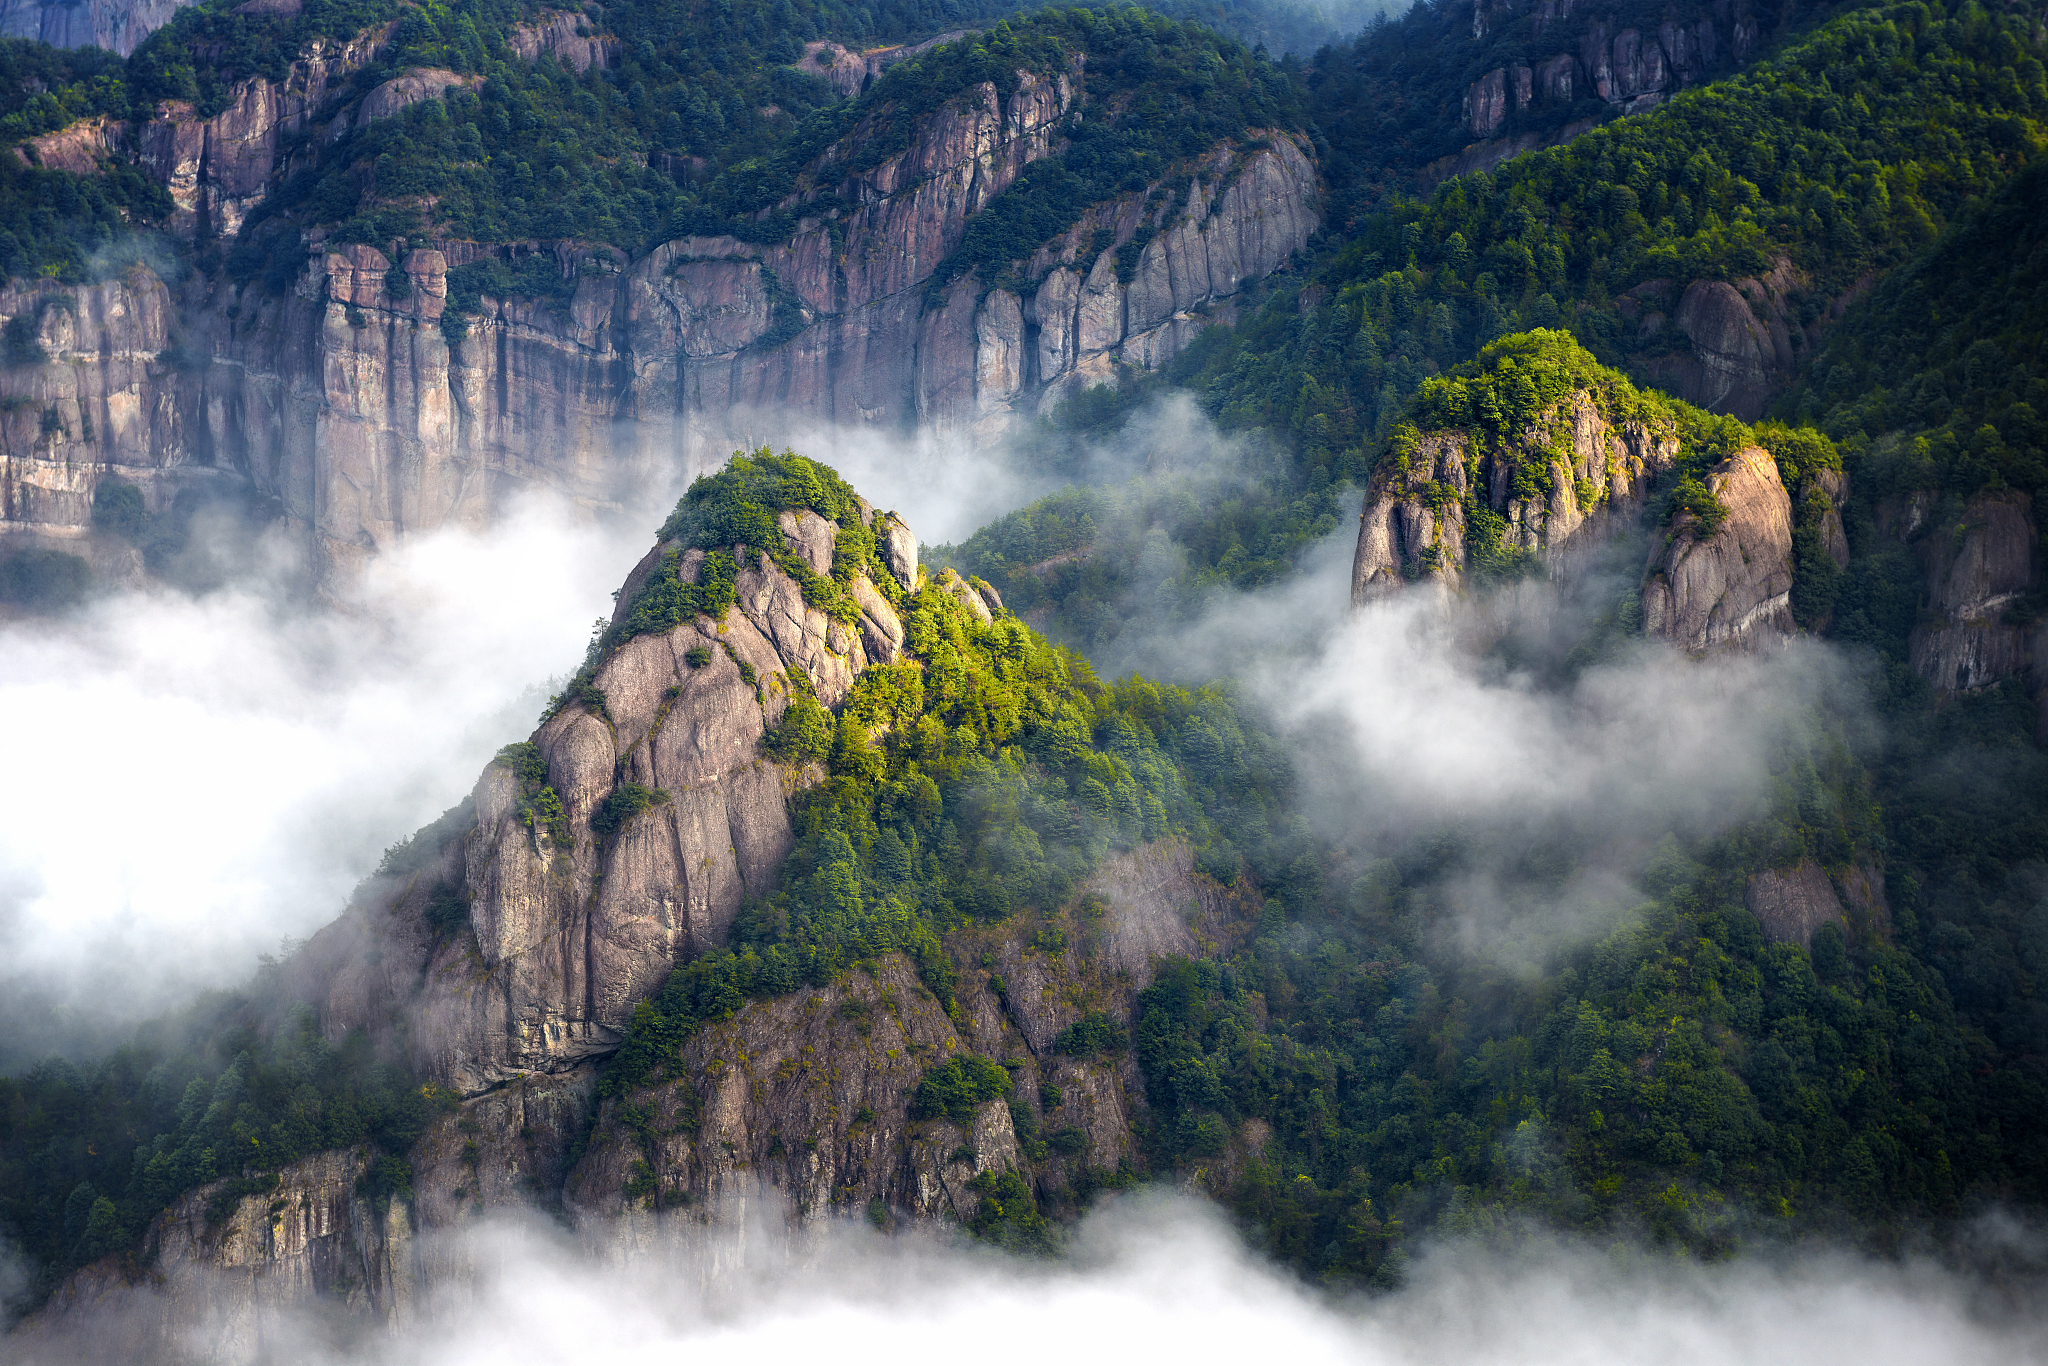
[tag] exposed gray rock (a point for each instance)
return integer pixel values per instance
(850, 71)
(395, 94)
(1979, 562)
(240, 1290)
(810, 1091)
(1408, 535)
(899, 549)
(1792, 903)
(963, 592)
(1733, 589)
(116, 25)
(564, 938)
(346, 403)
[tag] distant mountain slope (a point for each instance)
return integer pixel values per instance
(118, 26)
(468, 248)
(1704, 248)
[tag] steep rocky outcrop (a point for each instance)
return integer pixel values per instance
(116, 25)
(1455, 504)
(216, 169)
(1628, 67)
(1980, 560)
(1563, 492)
(345, 401)
(504, 956)
(569, 929)
(1730, 587)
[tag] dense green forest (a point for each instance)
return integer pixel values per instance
(1941, 382)
(1846, 153)
(1678, 1077)
(90, 1153)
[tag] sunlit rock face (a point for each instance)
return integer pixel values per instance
(504, 957)
(1599, 481)
(1731, 588)
(345, 400)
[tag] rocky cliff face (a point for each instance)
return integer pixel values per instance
(569, 927)
(1570, 59)
(116, 25)
(345, 401)
(1740, 342)
(1731, 587)
(810, 1092)
(1565, 492)
(1561, 493)
(1981, 557)
(877, 347)
(226, 1283)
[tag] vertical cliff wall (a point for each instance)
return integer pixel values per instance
(116, 25)
(345, 399)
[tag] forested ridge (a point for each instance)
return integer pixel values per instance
(1345, 1083)
(697, 121)
(1846, 155)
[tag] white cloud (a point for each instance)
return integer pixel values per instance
(192, 779)
(1151, 1277)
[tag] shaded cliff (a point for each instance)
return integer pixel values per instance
(1980, 558)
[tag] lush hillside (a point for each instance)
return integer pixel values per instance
(982, 782)
(698, 122)
(1844, 154)
(1940, 381)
